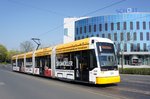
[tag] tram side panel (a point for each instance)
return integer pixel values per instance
(14, 65)
(53, 59)
(64, 66)
(75, 65)
(29, 64)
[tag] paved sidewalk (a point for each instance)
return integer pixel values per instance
(133, 66)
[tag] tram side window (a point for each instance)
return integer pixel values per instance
(20, 62)
(29, 62)
(87, 59)
(13, 62)
(43, 61)
(93, 62)
(37, 62)
(47, 62)
(65, 61)
(84, 60)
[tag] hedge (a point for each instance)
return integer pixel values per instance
(139, 71)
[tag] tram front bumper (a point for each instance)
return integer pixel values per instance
(107, 80)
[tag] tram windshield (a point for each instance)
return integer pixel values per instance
(106, 55)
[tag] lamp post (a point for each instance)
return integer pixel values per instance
(122, 58)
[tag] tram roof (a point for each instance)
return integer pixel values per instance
(14, 57)
(43, 52)
(29, 54)
(73, 46)
(21, 56)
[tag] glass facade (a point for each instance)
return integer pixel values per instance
(129, 31)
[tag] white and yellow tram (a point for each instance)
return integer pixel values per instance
(91, 60)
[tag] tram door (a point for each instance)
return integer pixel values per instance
(77, 69)
(41, 66)
(82, 68)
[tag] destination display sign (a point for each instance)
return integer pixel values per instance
(105, 47)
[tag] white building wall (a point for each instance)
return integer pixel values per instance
(69, 29)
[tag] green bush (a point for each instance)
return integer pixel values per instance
(139, 71)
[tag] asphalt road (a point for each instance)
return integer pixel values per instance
(22, 86)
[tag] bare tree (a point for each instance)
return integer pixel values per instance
(26, 46)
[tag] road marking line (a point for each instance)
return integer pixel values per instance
(140, 82)
(133, 90)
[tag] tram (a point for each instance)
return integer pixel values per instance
(91, 60)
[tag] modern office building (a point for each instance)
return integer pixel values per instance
(69, 30)
(129, 31)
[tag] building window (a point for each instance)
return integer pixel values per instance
(137, 25)
(128, 36)
(106, 27)
(149, 25)
(82, 37)
(121, 37)
(131, 25)
(97, 35)
(115, 36)
(89, 28)
(144, 25)
(131, 47)
(66, 31)
(91, 35)
(103, 35)
(125, 47)
(118, 25)
(112, 26)
(78, 38)
(84, 29)
(144, 47)
(80, 30)
(147, 36)
(138, 46)
(134, 37)
(76, 30)
(95, 28)
(141, 36)
(87, 36)
(134, 47)
(100, 27)
(124, 26)
(109, 36)
(118, 47)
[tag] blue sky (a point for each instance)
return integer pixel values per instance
(21, 20)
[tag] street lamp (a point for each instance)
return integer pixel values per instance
(122, 54)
